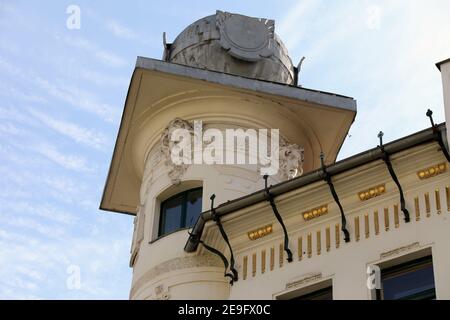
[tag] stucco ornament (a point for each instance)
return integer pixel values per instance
(291, 160)
(245, 38)
(176, 171)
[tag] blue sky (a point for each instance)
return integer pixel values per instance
(62, 93)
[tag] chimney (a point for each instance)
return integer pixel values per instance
(444, 67)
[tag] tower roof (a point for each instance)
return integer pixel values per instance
(235, 44)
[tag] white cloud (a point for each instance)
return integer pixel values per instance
(104, 56)
(120, 30)
(103, 80)
(292, 27)
(71, 162)
(79, 98)
(64, 91)
(79, 134)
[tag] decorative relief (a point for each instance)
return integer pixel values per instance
(161, 294)
(290, 160)
(372, 192)
(396, 217)
(309, 245)
(399, 250)
(376, 222)
(337, 234)
(427, 204)
(357, 234)
(417, 208)
(176, 171)
(447, 194)
(308, 278)
(315, 213)
(291, 156)
(272, 258)
(437, 196)
(432, 171)
(260, 233)
(280, 255)
(252, 45)
(263, 261)
(319, 242)
(245, 266)
(300, 248)
(328, 238)
(366, 225)
(386, 219)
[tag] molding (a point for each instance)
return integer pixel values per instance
(399, 251)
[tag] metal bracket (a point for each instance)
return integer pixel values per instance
(271, 200)
(224, 260)
(327, 178)
(438, 136)
(386, 158)
(216, 218)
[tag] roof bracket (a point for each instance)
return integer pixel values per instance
(327, 178)
(224, 260)
(387, 160)
(438, 136)
(216, 219)
(269, 197)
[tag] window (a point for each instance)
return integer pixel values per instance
(322, 294)
(408, 281)
(322, 290)
(180, 211)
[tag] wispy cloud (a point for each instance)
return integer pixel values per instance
(63, 91)
(75, 132)
(79, 98)
(71, 162)
(120, 30)
(106, 57)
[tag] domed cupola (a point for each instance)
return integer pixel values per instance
(235, 44)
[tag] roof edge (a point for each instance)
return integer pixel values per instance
(439, 64)
(241, 82)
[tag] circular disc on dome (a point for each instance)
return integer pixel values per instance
(246, 38)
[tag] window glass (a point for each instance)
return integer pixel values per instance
(180, 211)
(193, 206)
(322, 294)
(411, 281)
(171, 214)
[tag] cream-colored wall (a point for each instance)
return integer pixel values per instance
(226, 182)
(445, 72)
(162, 270)
(347, 265)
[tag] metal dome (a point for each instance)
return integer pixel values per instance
(233, 43)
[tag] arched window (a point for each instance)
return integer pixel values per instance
(180, 211)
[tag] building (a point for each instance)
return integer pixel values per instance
(372, 226)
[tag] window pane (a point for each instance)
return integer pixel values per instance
(193, 206)
(413, 282)
(323, 294)
(171, 211)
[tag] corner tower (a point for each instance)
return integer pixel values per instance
(228, 71)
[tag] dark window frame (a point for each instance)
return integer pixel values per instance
(406, 267)
(313, 295)
(184, 196)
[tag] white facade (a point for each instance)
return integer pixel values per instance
(141, 177)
